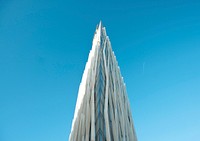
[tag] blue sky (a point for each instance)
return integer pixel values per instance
(44, 47)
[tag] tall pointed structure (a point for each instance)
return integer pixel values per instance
(102, 110)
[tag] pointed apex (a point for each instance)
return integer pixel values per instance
(98, 31)
(100, 25)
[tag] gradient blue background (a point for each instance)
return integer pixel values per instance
(44, 45)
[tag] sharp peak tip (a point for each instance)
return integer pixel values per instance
(100, 24)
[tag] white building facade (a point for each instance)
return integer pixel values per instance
(102, 110)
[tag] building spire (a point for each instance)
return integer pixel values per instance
(100, 24)
(99, 31)
(101, 92)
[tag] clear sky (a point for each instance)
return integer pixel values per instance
(44, 45)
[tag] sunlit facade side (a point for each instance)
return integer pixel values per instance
(102, 110)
